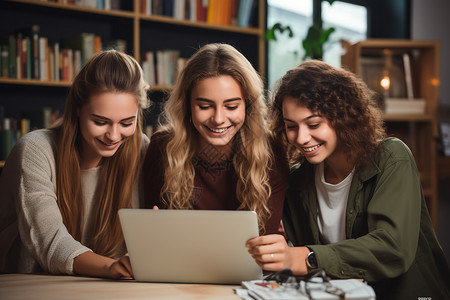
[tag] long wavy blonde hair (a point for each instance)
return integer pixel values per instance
(108, 71)
(251, 145)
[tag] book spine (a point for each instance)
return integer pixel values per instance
(5, 61)
(12, 62)
(6, 139)
(35, 46)
(28, 65)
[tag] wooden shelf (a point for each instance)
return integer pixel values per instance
(419, 132)
(408, 117)
(34, 82)
(443, 166)
(141, 32)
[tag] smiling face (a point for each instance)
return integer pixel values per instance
(309, 132)
(106, 121)
(218, 110)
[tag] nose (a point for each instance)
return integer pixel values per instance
(303, 136)
(113, 133)
(219, 116)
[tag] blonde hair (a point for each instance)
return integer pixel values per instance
(108, 71)
(251, 145)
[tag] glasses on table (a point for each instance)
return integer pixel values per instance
(318, 281)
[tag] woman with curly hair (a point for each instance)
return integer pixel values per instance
(354, 203)
(62, 187)
(214, 150)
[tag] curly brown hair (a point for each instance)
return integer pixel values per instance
(339, 96)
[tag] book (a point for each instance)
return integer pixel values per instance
(5, 62)
(148, 67)
(6, 139)
(39, 117)
(12, 56)
(408, 76)
(244, 12)
(271, 290)
(202, 10)
(84, 41)
(43, 45)
(404, 106)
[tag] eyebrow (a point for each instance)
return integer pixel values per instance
(305, 119)
(106, 119)
(225, 101)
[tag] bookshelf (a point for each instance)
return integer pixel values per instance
(140, 31)
(419, 131)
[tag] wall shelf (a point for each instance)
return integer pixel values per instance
(419, 132)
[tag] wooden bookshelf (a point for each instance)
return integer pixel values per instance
(418, 131)
(140, 31)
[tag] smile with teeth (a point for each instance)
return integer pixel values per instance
(218, 130)
(107, 144)
(310, 149)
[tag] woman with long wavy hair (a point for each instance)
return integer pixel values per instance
(214, 150)
(68, 182)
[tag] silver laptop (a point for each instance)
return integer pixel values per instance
(191, 246)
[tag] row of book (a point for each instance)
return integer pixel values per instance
(161, 67)
(240, 13)
(100, 4)
(12, 129)
(27, 54)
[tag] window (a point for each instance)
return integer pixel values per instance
(349, 21)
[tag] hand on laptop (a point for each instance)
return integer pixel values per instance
(121, 268)
(272, 253)
(92, 264)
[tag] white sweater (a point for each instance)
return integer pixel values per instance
(33, 237)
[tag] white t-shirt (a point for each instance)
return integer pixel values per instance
(332, 201)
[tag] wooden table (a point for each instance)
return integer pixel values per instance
(61, 287)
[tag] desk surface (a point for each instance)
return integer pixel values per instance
(48, 287)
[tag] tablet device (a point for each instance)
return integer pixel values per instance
(190, 246)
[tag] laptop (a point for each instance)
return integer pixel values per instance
(190, 246)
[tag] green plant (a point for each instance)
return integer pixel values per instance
(314, 40)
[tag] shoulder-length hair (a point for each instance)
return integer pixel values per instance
(339, 96)
(114, 72)
(252, 151)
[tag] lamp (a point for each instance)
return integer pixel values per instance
(391, 81)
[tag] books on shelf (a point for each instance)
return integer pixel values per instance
(28, 54)
(100, 4)
(404, 106)
(12, 129)
(218, 12)
(161, 67)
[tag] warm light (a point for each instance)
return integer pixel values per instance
(435, 81)
(385, 82)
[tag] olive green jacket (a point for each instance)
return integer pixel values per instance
(390, 241)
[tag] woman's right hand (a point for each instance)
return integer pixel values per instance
(272, 253)
(121, 268)
(92, 264)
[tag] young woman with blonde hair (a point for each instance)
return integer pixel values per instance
(214, 150)
(61, 187)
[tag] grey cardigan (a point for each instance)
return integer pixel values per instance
(33, 237)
